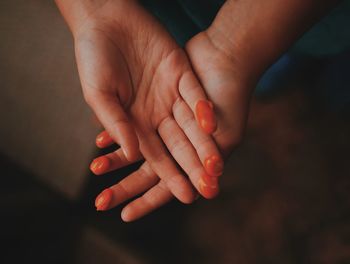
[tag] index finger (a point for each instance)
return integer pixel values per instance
(193, 94)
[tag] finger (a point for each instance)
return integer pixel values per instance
(204, 144)
(183, 152)
(193, 94)
(113, 118)
(104, 79)
(150, 201)
(103, 200)
(100, 165)
(136, 183)
(104, 140)
(111, 161)
(163, 165)
(208, 186)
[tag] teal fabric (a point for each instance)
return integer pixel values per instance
(330, 36)
(325, 48)
(185, 18)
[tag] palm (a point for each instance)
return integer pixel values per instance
(224, 85)
(142, 88)
(230, 94)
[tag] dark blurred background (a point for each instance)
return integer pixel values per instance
(285, 192)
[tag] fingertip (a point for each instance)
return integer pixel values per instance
(104, 140)
(186, 196)
(214, 165)
(208, 186)
(125, 215)
(188, 199)
(100, 165)
(182, 189)
(103, 200)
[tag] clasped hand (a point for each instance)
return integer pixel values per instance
(151, 97)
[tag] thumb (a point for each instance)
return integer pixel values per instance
(102, 75)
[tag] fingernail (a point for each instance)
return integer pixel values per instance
(103, 140)
(125, 215)
(208, 186)
(205, 116)
(100, 165)
(103, 200)
(214, 165)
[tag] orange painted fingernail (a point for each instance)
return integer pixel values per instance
(103, 140)
(100, 165)
(205, 116)
(208, 186)
(103, 200)
(214, 165)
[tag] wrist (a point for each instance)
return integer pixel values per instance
(75, 12)
(79, 13)
(234, 47)
(236, 33)
(256, 33)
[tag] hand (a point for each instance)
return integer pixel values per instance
(228, 59)
(142, 88)
(230, 92)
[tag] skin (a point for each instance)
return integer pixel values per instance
(228, 58)
(142, 88)
(228, 61)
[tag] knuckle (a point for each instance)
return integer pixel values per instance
(89, 98)
(163, 187)
(189, 122)
(148, 174)
(159, 157)
(177, 146)
(119, 120)
(205, 145)
(150, 202)
(178, 104)
(124, 190)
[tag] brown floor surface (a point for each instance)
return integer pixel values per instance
(285, 199)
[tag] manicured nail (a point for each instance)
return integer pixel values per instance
(208, 186)
(104, 140)
(205, 116)
(100, 165)
(214, 165)
(103, 200)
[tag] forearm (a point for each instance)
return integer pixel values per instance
(257, 32)
(77, 12)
